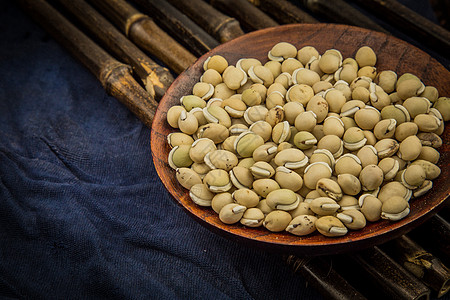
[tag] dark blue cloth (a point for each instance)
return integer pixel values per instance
(83, 213)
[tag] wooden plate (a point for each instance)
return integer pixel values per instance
(392, 53)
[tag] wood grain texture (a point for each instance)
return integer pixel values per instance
(393, 54)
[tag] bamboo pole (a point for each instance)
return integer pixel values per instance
(340, 11)
(117, 44)
(249, 16)
(220, 26)
(417, 26)
(114, 76)
(178, 25)
(284, 11)
(389, 275)
(146, 34)
(434, 236)
(323, 277)
(421, 263)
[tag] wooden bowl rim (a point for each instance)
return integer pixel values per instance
(285, 242)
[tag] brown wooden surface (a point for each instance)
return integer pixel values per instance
(393, 54)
